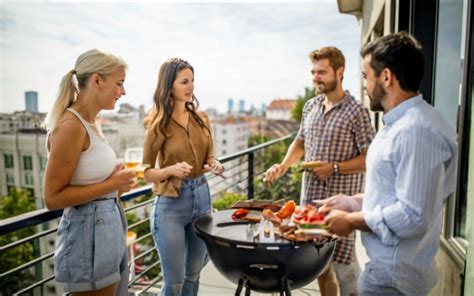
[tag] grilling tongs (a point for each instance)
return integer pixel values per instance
(266, 232)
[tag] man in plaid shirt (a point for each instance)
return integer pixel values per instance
(335, 130)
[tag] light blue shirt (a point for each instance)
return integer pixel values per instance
(411, 171)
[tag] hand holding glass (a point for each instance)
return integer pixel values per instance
(133, 159)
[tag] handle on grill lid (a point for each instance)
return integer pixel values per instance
(264, 266)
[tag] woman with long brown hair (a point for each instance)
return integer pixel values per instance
(178, 150)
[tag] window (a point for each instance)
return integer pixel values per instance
(28, 180)
(27, 163)
(8, 159)
(447, 81)
(224, 142)
(43, 161)
(10, 178)
(465, 163)
(448, 60)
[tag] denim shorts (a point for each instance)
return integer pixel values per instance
(90, 246)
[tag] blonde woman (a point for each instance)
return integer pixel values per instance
(82, 178)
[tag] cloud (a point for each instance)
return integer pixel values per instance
(251, 51)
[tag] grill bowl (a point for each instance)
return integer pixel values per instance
(263, 264)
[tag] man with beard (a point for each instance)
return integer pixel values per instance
(411, 168)
(336, 131)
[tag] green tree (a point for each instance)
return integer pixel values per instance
(254, 140)
(297, 111)
(271, 154)
(289, 185)
(15, 203)
(226, 200)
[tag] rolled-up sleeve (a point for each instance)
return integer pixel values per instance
(306, 109)
(375, 221)
(210, 157)
(420, 164)
(152, 146)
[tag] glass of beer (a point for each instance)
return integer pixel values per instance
(133, 159)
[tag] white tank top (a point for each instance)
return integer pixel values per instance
(96, 163)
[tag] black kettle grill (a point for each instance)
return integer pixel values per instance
(278, 266)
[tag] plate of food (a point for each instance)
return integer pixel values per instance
(308, 217)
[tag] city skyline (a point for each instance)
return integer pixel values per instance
(245, 51)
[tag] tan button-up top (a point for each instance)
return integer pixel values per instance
(192, 144)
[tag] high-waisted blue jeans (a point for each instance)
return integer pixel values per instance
(182, 253)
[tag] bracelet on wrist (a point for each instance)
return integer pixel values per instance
(335, 168)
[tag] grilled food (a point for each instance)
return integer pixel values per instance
(270, 216)
(240, 213)
(286, 210)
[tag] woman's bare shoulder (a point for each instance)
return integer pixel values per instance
(69, 130)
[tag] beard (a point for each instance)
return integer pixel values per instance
(325, 87)
(377, 97)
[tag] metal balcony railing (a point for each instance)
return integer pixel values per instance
(242, 169)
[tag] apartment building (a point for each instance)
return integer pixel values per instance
(23, 158)
(280, 109)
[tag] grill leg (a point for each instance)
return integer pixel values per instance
(247, 288)
(282, 287)
(239, 287)
(285, 287)
(243, 281)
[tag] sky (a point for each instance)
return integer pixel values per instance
(255, 52)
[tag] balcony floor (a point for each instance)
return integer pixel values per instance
(214, 284)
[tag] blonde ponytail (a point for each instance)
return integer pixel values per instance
(67, 95)
(88, 63)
